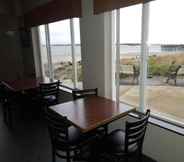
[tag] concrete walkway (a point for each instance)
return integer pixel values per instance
(165, 100)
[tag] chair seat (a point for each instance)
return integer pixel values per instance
(50, 100)
(76, 137)
(115, 143)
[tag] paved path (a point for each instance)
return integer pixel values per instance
(164, 100)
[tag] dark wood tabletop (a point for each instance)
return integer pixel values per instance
(23, 84)
(92, 112)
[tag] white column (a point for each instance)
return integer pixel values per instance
(117, 53)
(73, 52)
(144, 55)
(37, 52)
(47, 35)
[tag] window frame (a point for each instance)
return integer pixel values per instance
(143, 65)
(73, 53)
(144, 53)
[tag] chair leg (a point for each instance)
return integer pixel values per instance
(126, 158)
(140, 157)
(10, 121)
(68, 159)
(5, 115)
(167, 81)
(106, 129)
(53, 155)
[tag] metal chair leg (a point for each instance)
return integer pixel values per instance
(68, 159)
(53, 155)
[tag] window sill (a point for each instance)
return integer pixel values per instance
(162, 123)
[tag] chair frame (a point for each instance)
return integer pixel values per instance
(134, 135)
(48, 89)
(58, 128)
(136, 72)
(84, 93)
(173, 74)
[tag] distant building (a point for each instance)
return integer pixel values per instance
(172, 48)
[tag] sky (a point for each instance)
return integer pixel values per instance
(60, 32)
(166, 25)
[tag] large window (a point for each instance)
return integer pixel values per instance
(152, 58)
(61, 54)
(130, 40)
(165, 83)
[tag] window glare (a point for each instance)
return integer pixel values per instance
(166, 25)
(130, 24)
(77, 30)
(60, 32)
(42, 35)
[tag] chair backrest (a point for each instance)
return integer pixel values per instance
(135, 132)
(174, 68)
(84, 93)
(136, 70)
(50, 89)
(58, 128)
(178, 68)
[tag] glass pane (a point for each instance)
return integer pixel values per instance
(45, 67)
(78, 52)
(60, 38)
(165, 91)
(130, 39)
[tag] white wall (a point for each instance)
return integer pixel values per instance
(164, 145)
(160, 144)
(92, 38)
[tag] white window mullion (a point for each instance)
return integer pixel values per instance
(49, 57)
(114, 85)
(117, 54)
(144, 55)
(73, 52)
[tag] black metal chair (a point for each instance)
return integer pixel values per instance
(84, 93)
(136, 73)
(125, 145)
(66, 139)
(173, 72)
(77, 94)
(49, 93)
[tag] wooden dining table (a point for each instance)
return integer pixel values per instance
(23, 84)
(91, 112)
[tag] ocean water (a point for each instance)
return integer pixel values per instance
(63, 52)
